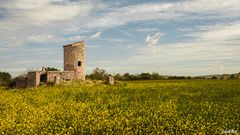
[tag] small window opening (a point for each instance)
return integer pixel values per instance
(79, 63)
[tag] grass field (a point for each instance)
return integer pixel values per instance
(174, 107)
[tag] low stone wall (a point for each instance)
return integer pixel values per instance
(58, 76)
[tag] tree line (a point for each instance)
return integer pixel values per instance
(101, 74)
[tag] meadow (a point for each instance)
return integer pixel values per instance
(138, 107)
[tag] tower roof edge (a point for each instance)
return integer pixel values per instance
(75, 44)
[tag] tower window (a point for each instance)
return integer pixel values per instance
(79, 63)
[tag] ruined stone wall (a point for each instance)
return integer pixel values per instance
(58, 76)
(225, 77)
(110, 80)
(33, 79)
(74, 59)
(21, 83)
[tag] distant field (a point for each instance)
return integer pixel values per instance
(174, 107)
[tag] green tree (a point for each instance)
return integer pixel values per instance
(126, 76)
(156, 76)
(98, 74)
(232, 77)
(51, 69)
(5, 78)
(214, 77)
(146, 76)
(118, 77)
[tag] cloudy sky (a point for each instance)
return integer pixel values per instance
(172, 37)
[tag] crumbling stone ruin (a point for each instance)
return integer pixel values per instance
(225, 77)
(74, 68)
(110, 80)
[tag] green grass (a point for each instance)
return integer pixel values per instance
(140, 107)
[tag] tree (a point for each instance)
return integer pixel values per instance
(126, 76)
(146, 76)
(98, 74)
(156, 76)
(51, 69)
(214, 77)
(118, 77)
(5, 78)
(232, 77)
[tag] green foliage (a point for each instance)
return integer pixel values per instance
(142, 76)
(5, 78)
(146, 76)
(156, 76)
(178, 77)
(232, 77)
(140, 107)
(50, 83)
(118, 77)
(52, 69)
(214, 77)
(98, 74)
(128, 76)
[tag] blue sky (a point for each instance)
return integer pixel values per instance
(184, 37)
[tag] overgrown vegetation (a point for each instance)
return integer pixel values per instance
(101, 74)
(140, 107)
(98, 74)
(5, 78)
(51, 69)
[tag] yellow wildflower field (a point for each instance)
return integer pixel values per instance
(140, 107)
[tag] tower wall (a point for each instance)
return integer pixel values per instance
(33, 79)
(74, 59)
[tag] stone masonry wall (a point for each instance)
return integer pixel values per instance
(58, 76)
(74, 59)
(33, 79)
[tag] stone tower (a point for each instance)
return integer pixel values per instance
(74, 59)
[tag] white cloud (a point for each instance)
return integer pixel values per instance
(117, 40)
(44, 11)
(29, 20)
(197, 56)
(3, 49)
(96, 35)
(147, 30)
(215, 50)
(40, 38)
(168, 11)
(75, 38)
(228, 32)
(220, 32)
(24, 16)
(50, 13)
(28, 4)
(126, 46)
(153, 40)
(93, 46)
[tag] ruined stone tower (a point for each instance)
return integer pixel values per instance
(74, 59)
(74, 68)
